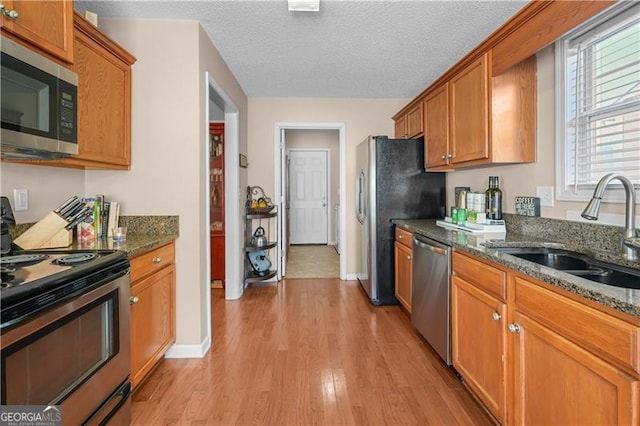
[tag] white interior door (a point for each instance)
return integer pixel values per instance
(308, 196)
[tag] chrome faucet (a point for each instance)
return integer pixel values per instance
(630, 242)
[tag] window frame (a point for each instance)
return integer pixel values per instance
(564, 190)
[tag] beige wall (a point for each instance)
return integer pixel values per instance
(329, 140)
(169, 147)
(362, 117)
(47, 187)
(522, 179)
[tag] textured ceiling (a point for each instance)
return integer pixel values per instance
(360, 49)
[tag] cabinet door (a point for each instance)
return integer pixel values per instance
(478, 343)
(401, 127)
(152, 321)
(470, 112)
(104, 113)
(45, 24)
(436, 123)
(557, 382)
(404, 274)
(414, 121)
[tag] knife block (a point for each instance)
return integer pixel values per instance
(47, 233)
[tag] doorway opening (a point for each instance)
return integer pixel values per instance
(310, 174)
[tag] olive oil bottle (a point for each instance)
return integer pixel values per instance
(494, 199)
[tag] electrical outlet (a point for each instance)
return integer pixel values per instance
(545, 193)
(20, 200)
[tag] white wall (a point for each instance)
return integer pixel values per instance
(522, 179)
(329, 140)
(362, 117)
(169, 125)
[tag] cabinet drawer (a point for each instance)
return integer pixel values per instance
(610, 337)
(151, 261)
(482, 275)
(404, 237)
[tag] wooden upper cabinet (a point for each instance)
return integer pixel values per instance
(401, 127)
(409, 125)
(47, 25)
(475, 119)
(104, 101)
(436, 122)
(469, 119)
(414, 121)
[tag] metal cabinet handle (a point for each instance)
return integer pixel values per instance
(408, 257)
(514, 328)
(400, 236)
(444, 157)
(450, 155)
(9, 13)
(496, 316)
(157, 259)
(133, 300)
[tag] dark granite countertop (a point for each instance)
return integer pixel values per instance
(143, 233)
(621, 299)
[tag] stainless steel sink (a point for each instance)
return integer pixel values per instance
(577, 264)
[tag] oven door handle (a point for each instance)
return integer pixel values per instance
(117, 399)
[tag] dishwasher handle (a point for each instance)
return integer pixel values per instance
(433, 248)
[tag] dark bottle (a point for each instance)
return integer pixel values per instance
(494, 199)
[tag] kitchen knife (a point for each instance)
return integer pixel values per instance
(65, 204)
(74, 221)
(73, 210)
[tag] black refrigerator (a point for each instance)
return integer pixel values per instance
(390, 184)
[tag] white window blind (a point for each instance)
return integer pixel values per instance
(601, 122)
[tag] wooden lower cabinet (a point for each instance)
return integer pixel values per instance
(534, 355)
(479, 343)
(558, 382)
(403, 251)
(152, 310)
(478, 331)
(404, 275)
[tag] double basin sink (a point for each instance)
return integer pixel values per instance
(577, 264)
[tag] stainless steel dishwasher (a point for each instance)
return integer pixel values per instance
(430, 295)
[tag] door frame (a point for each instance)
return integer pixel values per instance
(279, 152)
(328, 183)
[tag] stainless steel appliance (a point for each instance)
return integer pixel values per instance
(64, 333)
(430, 312)
(39, 105)
(390, 184)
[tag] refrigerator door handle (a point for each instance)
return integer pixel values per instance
(360, 213)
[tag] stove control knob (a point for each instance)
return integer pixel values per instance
(133, 300)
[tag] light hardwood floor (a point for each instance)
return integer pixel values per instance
(307, 352)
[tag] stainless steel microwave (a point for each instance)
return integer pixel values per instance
(39, 100)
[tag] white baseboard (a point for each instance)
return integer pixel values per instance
(352, 276)
(189, 351)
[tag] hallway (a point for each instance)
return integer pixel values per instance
(307, 351)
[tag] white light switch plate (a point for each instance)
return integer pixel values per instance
(20, 200)
(545, 193)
